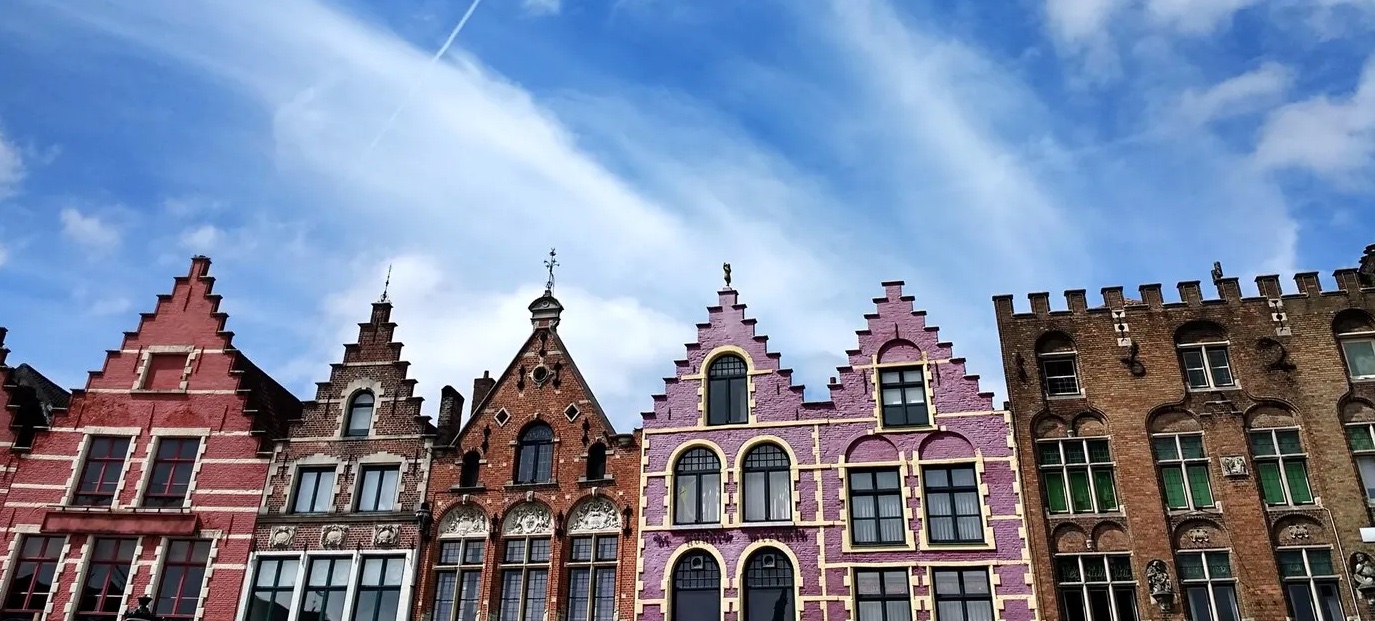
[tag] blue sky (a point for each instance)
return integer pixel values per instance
(969, 148)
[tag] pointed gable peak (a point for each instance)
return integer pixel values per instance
(375, 338)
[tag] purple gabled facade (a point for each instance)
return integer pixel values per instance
(759, 505)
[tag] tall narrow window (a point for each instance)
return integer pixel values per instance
(360, 415)
(1310, 584)
(876, 516)
(458, 580)
(183, 575)
(768, 484)
(769, 587)
(1183, 470)
(379, 589)
(102, 471)
(1355, 331)
(883, 595)
(107, 573)
(31, 580)
(378, 489)
(314, 490)
(904, 397)
(467, 476)
(697, 488)
(1096, 587)
(1361, 438)
(592, 578)
(596, 462)
(524, 579)
(274, 583)
(1282, 466)
(696, 588)
(1078, 475)
(327, 583)
(535, 455)
(728, 399)
(1210, 590)
(963, 595)
(953, 511)
(172, 467)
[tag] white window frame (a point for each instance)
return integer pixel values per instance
(1083, 584)
(1283, 459)
(355, 578)
(1208, 582)
(1182, 463)
(1312, 580)
(1356, 337)
(1203, 349)
(1073, 357)
(1366, 456)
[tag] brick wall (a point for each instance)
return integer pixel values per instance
(1133, 386)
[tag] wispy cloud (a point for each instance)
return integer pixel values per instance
(542, 7)
(11, 169)
(203, 239)
(1333, 137)
(88, 230)
(1255, 90)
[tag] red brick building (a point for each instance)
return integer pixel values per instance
(534, 498)
(337, 532)
(1205, 459)
(149, 482)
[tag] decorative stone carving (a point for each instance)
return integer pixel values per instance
(282, 536)
(1298, 531)
(333, 536)
(1158, 580)
(596, 514)
(385, 535)
(1199, 536)
(464, 521)
(1363, 575)
(1234, 466)
(530, 518)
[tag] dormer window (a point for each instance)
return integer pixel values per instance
(359, 415)
(1203, 356)
(727, 391)
(1059, 364)
(1355, 332)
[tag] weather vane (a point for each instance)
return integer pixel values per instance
(387, 285)
(550, 264)
(725, 268)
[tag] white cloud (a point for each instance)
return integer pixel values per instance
(1195, 17)
(542, 7)
(1242, 94)
(1077, 20)
(1332, 137)
(88, 230)
(202, 239)
(11, 169)
(4, 255)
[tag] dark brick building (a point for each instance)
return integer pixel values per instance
(337, 534)
(534, 497)
(1202, 458)
(147, 483)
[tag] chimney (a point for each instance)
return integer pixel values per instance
(450, 408)
(482, 386)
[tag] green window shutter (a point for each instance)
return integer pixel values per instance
(1200, 486)
(1079, 492)
(1174, 487)
(1055, 491)
(1297, 473)
(1107, 493)
(1270, 482)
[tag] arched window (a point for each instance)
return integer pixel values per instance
(467, 476)
(596, 462)
(1059, 364)
(697, 488)
(768, 484)
(360, 415)
(769, 587)
(727, 391)
(1356, 333)
(535, 455)
(697, 588)
(1203, 355)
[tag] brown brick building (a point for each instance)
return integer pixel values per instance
(337, 534)
(534, 497)
(1198, 459)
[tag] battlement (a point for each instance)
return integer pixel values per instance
(1191, 294)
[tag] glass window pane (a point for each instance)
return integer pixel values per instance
(1360, 357)
(1360, 438)
(1165, 448)
(1289, 443)
(1191, 447)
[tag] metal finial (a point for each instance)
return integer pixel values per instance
(725, 269)
(550, 265)
(387, 285)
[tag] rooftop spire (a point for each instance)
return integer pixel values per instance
(550, 264)
(386, 285)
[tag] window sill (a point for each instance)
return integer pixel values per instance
(471, 489)
(602, 482)
(1231, 388)
(542, 485)
(1068, 397)
(1364, 379)
(957, 546)
(158, 391)
(1292, 507)
(1095, 515)
(690, 527)
(773, 524)
(931, 426)
(1213, 510)
(877, 547)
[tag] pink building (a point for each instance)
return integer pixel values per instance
(895, 500)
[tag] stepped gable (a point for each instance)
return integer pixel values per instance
(376, 347)
(187, 318)
(896, 332)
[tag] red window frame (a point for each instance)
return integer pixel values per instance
(37, 555)
(183, 569)
(102, 454)
(176, 457)
(103, 567)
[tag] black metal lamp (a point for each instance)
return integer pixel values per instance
(143, 612)
(424, 519)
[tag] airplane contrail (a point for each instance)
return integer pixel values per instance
(442, 50)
